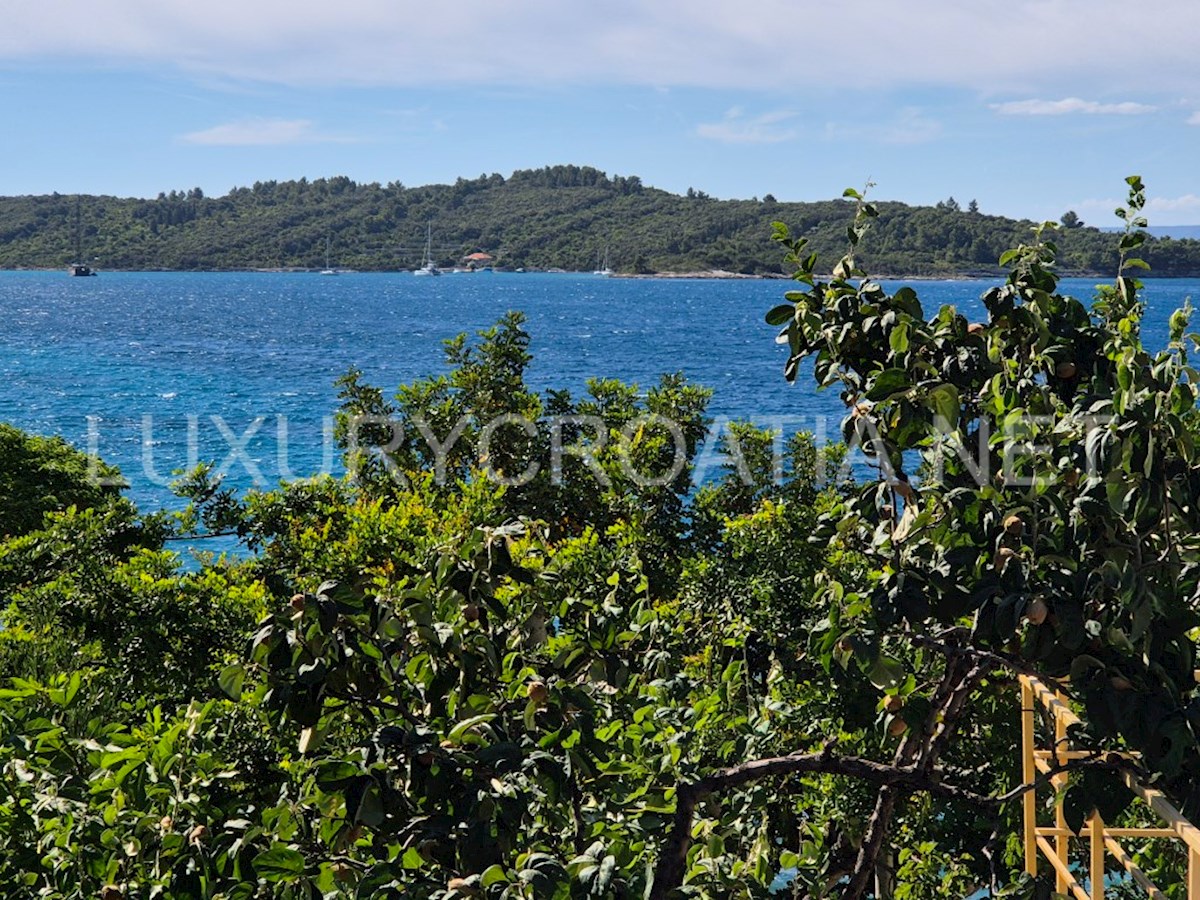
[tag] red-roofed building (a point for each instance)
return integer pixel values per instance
(478, 260)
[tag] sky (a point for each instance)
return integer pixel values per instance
(1029, 107)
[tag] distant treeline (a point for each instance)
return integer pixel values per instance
(566, 217)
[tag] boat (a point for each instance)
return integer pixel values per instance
(604, 271)
(427, 266)
(78, 269)
(327, 270)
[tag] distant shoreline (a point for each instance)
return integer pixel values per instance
(698, 275)
(585, 221)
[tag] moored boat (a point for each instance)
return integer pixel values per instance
(427, 266)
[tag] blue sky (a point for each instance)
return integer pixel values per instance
(1031, 108)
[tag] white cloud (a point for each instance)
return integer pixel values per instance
(1187, 203)
(258, 133)
(911, 127)
(1020, 47)
(1070, 106)
(1181, 210)
(736, 128)
(1194, 118)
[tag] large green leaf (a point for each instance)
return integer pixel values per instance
(279, 863)
(945, 403)
(778, 315)
(231, 679)
(887, 383)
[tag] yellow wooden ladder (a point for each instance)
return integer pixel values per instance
(1055, 842)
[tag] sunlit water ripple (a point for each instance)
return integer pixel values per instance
(156, 356)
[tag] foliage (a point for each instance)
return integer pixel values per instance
(1054, 527)
(155, 807)
(40, 475)
(87, 593)
(443, 695)
(89, 587)
(566, 217)
(612, 459)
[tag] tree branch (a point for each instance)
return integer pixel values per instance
(672, 863)
(921, 749)
(1000, 660)
(916, 778)
(914, 768)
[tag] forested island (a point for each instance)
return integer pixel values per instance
(560, 217)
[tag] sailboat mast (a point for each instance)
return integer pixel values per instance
(78, 228)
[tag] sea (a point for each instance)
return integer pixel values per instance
(155, 372)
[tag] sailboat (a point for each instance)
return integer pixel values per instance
(78, 269)
(427, 266)
(327, 270)
(604, 270)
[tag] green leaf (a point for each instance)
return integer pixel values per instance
(780, 314)
(1108, 792)
(279, 863)
(530, 716)
(231, 680)
(604, 876)
(887, 383)
(946, 404)
(1119, 494)
(886, 673)
(461, 733)
(1179, 322)
(311, 739)
(336, 774)
(493, 875)
(370, 810)
(312, 673)
(1076, 807)
(380, 877)
(72, 688)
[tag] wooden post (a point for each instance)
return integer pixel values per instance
(1193, 882)
(1029, 776)
(1062, 843)
(1097, 847)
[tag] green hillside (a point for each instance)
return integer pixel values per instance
(560, 217)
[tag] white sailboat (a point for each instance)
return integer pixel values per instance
(604, 270)
(427, 266)
(327, 270)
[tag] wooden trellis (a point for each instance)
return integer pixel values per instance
(1054, 842)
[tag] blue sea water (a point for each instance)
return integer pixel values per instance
(140, 366)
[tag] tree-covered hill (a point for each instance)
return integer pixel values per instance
(565, 217)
